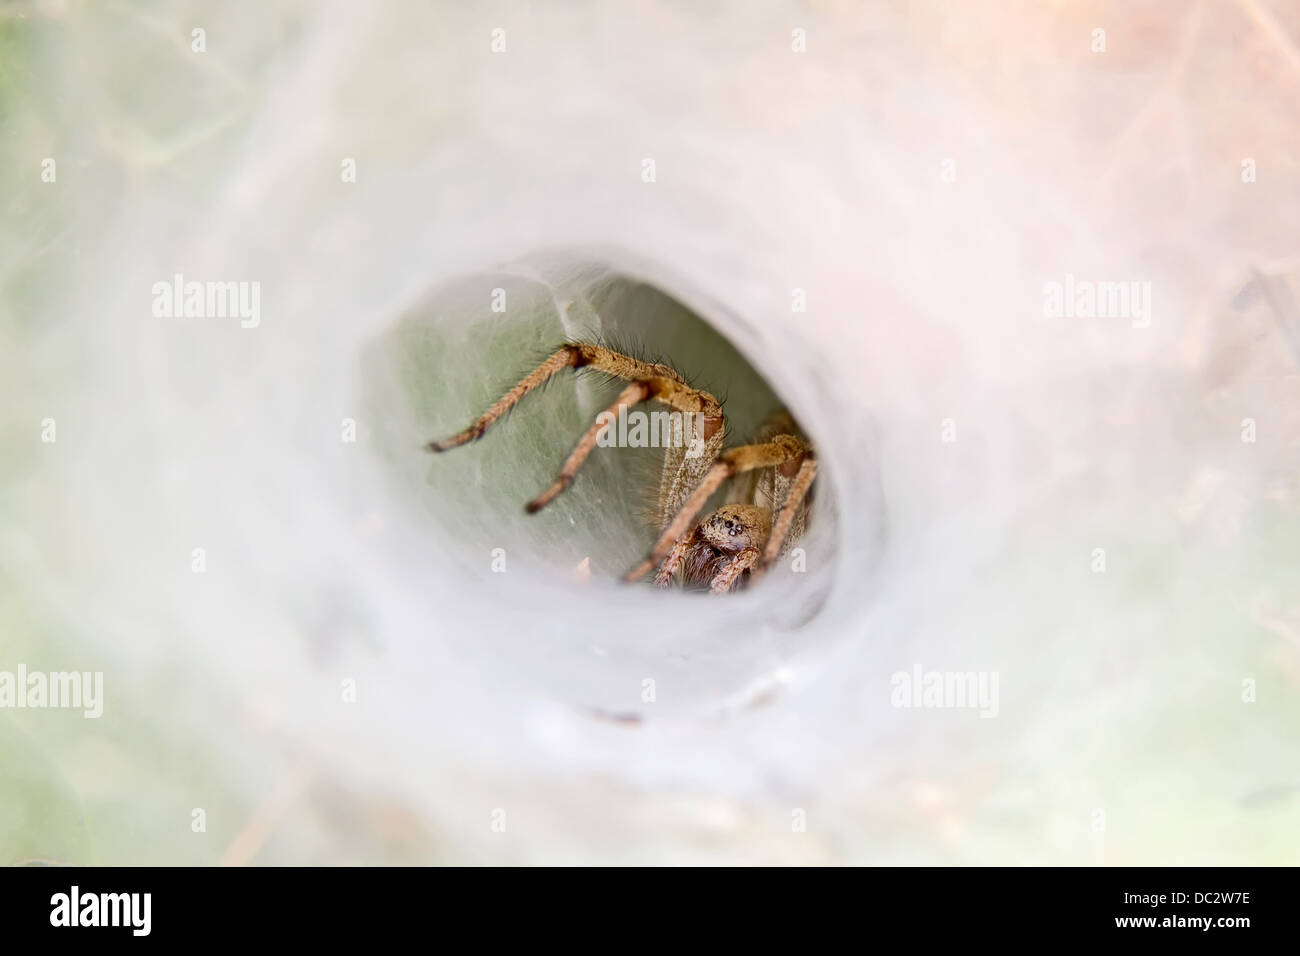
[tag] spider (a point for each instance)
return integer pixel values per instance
(736, 543)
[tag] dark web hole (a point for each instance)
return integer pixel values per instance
(450, 357)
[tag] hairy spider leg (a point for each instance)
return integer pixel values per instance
(559, 360)
(649, 381)
(803, 480)
(728, 576)
(634, 394)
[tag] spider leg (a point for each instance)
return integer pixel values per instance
(566, 357)
(658, 382)
(632, 395)
(728, 576)
(648, 381)
(781, 449)
(664, 576)
(803, 480)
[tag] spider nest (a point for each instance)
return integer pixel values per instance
(772, 478)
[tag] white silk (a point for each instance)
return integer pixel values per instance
(916, 177)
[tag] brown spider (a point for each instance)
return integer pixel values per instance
(738, 542)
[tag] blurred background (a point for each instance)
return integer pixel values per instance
(321, 645)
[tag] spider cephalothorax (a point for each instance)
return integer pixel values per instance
(737, 542)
